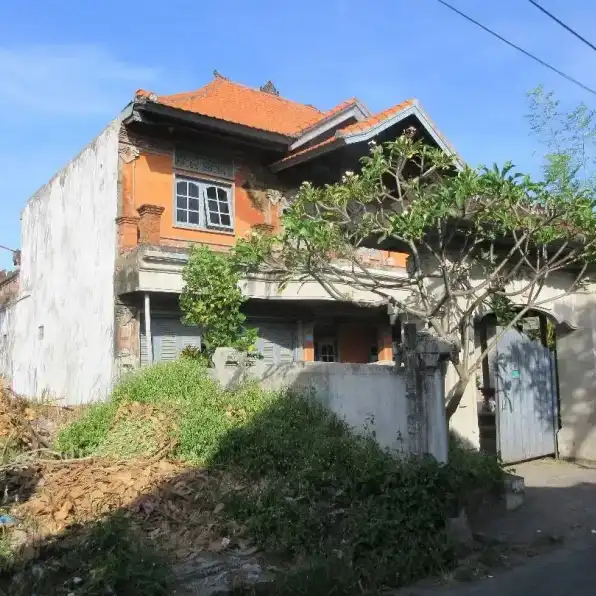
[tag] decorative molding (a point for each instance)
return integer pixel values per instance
(270, 88)
(146, 208)
(140, 143)
(281, 198)
(128, 153)
(187, 160)
(130, 219)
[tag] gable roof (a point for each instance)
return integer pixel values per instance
(295, 123)
(367, 129)
(233, 102)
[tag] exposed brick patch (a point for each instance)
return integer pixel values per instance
(149, 223)
(128, 231)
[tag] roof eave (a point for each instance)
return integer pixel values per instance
(353, 110)
(208, 122)
(288, 162)
(414, 110)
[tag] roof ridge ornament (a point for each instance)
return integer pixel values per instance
(218, 75)
(269, 87)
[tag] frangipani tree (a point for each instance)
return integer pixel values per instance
(477, 240)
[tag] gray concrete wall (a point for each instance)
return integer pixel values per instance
(371, 398)
(64, 319)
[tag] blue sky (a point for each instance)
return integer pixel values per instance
(67, 68)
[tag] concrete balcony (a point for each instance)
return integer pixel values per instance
(150, 268)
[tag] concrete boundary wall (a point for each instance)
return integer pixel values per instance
(371, 398)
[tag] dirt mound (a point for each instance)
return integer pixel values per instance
(169, 502)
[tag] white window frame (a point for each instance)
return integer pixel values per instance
(203, 213)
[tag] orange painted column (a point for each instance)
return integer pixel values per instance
(308, 342)
(385, 343)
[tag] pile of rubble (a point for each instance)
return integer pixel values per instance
(20, 424)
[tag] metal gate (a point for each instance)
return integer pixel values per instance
(526, 398)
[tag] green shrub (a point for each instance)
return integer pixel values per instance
(470, 469)
(314, 490)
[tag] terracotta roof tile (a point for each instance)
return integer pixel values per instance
(376, 118)
(310, 149)
(230, 101)
(329, 113)
(357, 127)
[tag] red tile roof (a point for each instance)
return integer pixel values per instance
(376, 118)
(329, 113)
(357, 127)
(311, 149)
(232, 102)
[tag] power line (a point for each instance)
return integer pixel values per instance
(554, 18)
(511, 44)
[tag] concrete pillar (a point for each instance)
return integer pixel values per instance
(128, 231)
(433, 355)
(308, 341)
(148, 336)
(385, 344)
(149, 224)
(128, 353)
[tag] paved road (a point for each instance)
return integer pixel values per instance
(570, 571)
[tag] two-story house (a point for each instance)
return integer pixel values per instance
(105, 240)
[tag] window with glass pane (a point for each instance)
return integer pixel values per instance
(187, 202)
(202, 204)
(327, 353)
(218, 206)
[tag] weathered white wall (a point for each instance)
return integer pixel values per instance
(371, 398)
(64, 330)
(6, 340)
(576, 361)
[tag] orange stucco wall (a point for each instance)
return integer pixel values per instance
(385, 343)
(150, 179)
(355, 341)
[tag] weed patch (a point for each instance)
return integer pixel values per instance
(84, 436)
(200, 410)
(106, 557)
(317, 492)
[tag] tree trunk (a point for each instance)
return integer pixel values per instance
(455, 395)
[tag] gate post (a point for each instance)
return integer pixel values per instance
(424, 358)
(413, 391)
(433, 354)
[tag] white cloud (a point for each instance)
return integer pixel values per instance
(68, 79)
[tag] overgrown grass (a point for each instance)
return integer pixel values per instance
(107, 557)
(202, 411)
(85, 435)
(348, 514)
